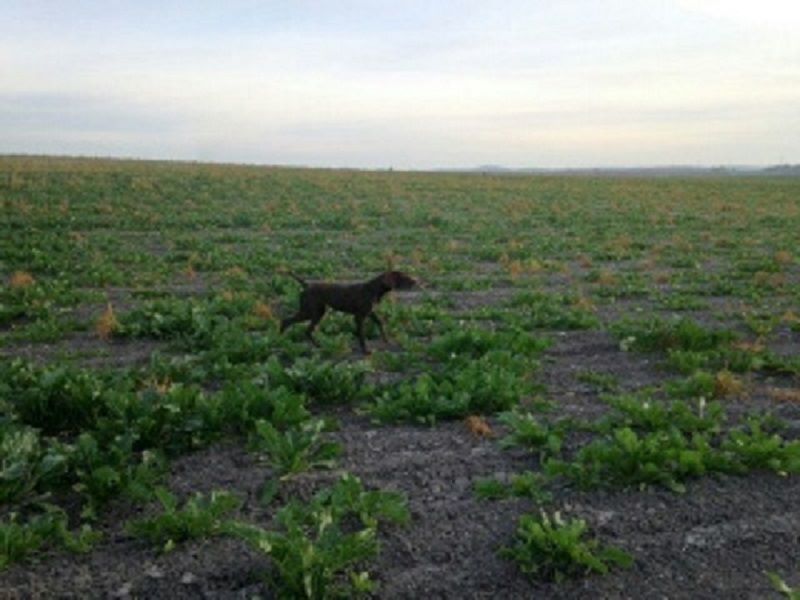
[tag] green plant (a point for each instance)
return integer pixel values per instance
(201, 516)
(677, 334)
(295, 449)
(526, 431)
(603, 382)
(328, 383)
(553, 549)
(782, 587)
(318, 552)
(752, 447)
(55, 399)
(102, 471)
(646, 414)
(495, 381)
(626, 458)
(472, 344)
(522, 485)
(19, 540)
(552, 311)
(26, 463)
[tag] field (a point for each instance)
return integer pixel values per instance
(595, 393)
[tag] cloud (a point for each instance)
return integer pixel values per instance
(418, 84)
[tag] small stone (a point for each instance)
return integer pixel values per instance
(124, 591)
(501, 476)
(188, 578)
(154, 572)
(604, 516)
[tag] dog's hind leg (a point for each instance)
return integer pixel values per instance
(289, 321)
(315, 319)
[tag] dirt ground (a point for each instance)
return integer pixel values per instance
(715, 541)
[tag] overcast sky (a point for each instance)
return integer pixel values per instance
(407, 84)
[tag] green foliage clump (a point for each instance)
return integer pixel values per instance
(553, 549)
(201, 516)
(671, 447)
(320, 547)
(28, 463)
(678, 334)
(782, 587)
(522, 485)
(297, 448)
(56, 399)
(327, 383)
(526, 431)
(21, 539)
(482, 372)
(646, 414)
(625, 458)
(540, 310)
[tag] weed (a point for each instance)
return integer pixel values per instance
(478, 426)
(21, 280)
(107, 324)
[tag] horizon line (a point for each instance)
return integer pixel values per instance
(483, 167)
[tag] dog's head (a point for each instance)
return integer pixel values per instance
(397, 280)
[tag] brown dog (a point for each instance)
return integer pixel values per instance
(357, 299)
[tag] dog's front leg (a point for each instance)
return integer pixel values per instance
(360, 333)
(377, 320)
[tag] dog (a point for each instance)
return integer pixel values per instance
(357, 299)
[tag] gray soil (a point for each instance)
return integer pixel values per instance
(715, 541)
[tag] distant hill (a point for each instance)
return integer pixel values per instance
(782, 171)
(663, 171)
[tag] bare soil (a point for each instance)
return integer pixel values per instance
(715, 541)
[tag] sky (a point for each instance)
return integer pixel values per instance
(407, 85)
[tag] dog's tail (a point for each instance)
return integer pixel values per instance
(299, 279)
